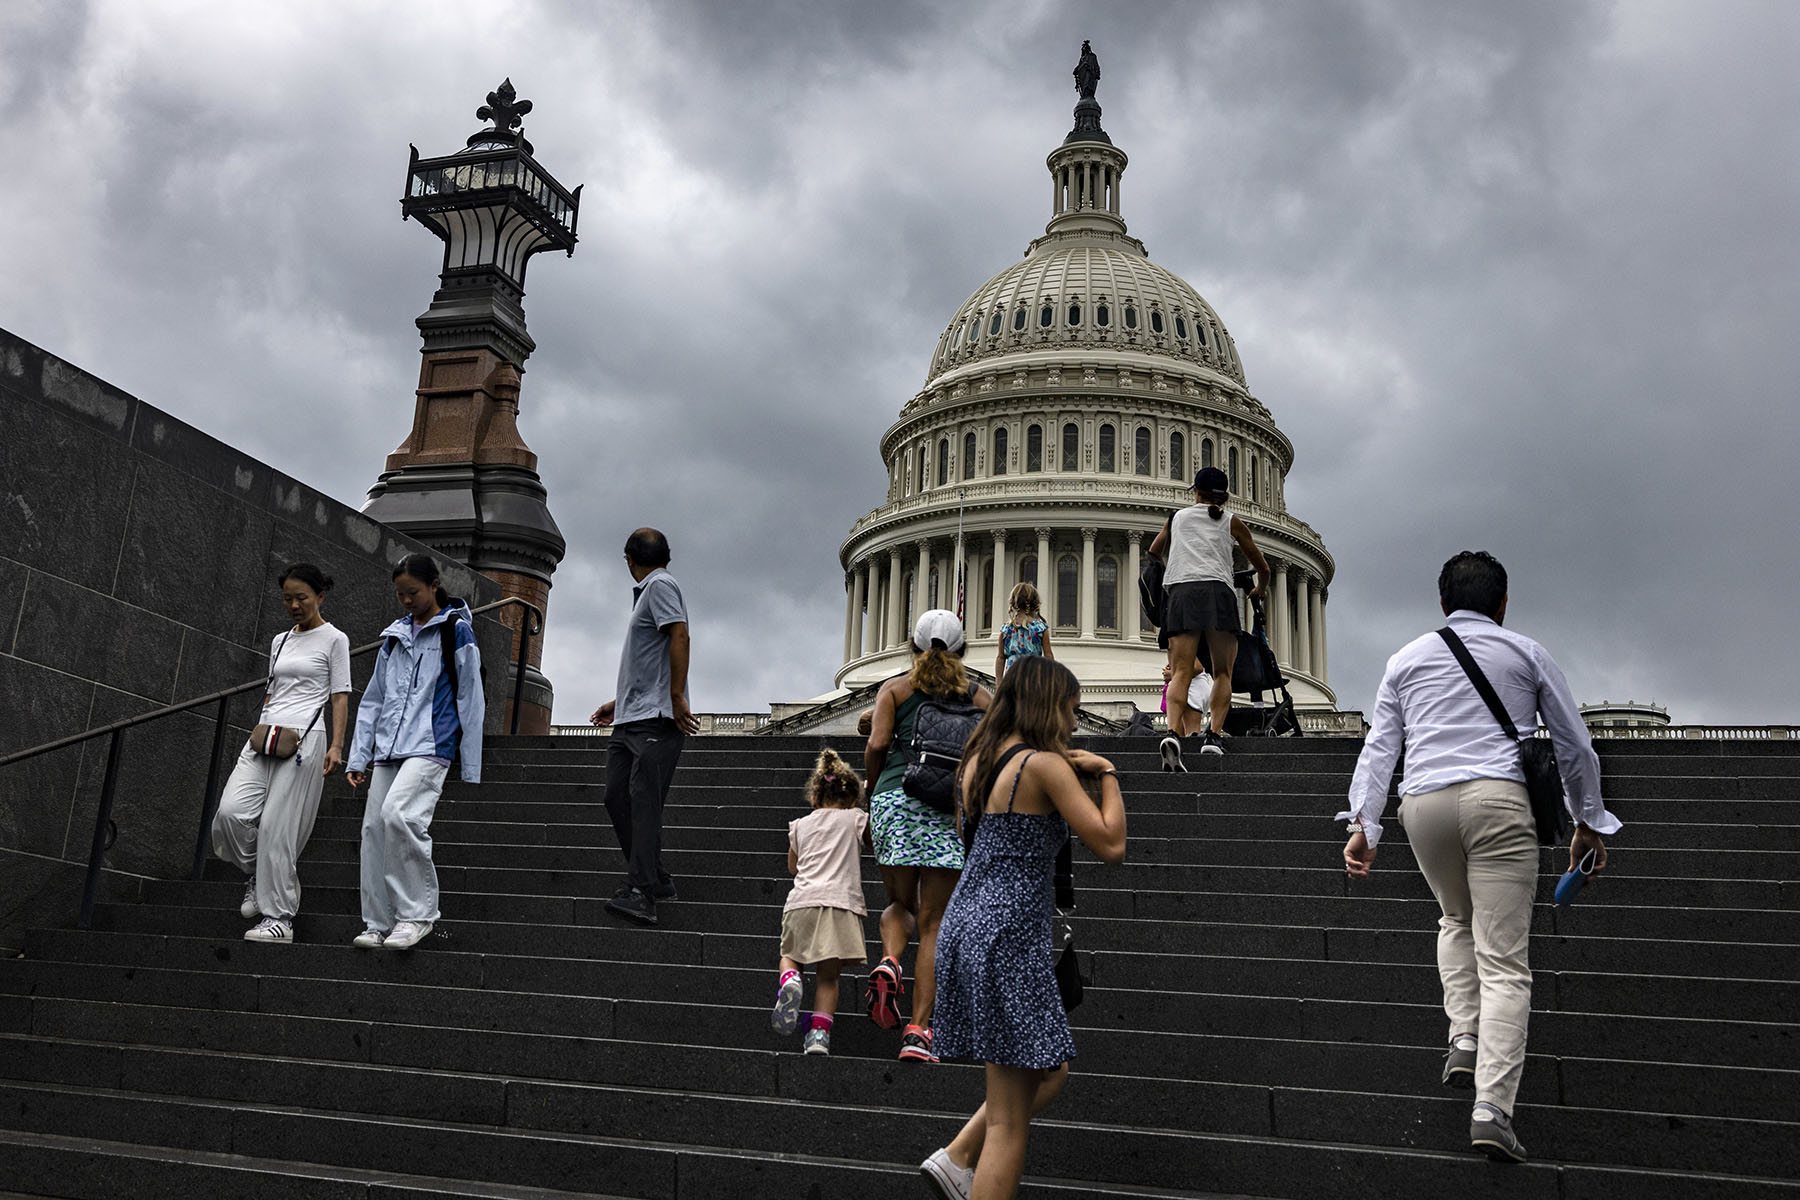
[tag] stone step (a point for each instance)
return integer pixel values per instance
(1721, 1038)
(709, 827)
(738, 904)
(1112, 940)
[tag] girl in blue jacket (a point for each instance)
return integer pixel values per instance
(409, 726)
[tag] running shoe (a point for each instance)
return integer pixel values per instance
(408, 934)
(915, 1044)
(1212, 743)
(368, 939)
(271, 929)
(786, 1016)
(884, 992)
(247, 906)
(818, 1041)
(1170, 747)
(1491, 1132)
(1459, 1063)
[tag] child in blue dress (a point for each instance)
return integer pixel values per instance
(1026, 634)
(822, 921)
(997, 999)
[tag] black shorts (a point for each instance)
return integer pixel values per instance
(1201, 606)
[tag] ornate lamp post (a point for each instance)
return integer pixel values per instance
(464, 481)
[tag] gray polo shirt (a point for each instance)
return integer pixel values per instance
(644, 665)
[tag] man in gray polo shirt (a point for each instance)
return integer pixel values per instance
(651, 720)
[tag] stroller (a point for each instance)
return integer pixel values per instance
(1254, 673)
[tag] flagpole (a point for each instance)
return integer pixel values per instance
(961, 493)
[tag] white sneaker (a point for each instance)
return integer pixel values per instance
(271, 929)
(1170, 748)
(407, 934)
(247, 906)
(948, 1180)
(787, 1006)
(368, 939)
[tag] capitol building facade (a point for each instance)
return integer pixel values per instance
(1067, 407)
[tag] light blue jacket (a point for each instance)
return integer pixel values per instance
(407, 710)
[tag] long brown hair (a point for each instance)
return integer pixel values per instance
(939, 673)
(1032, 698)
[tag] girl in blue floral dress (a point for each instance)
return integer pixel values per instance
(997, 999)
(1026, 634)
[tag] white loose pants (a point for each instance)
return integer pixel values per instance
(399, 880)
(266, 813)
(1477, 847)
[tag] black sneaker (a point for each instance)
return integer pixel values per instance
(1491, 1132)
(633, 905)
(1212, 743)
(1170, 748)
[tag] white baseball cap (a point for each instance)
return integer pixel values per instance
(938, 625)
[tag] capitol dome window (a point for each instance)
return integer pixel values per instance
(1254, 493)
(1177, 456)
(1071, 455)
(932, 598)
(1102, 316)
(1130, 316)
(907, 592)
(923, 468)
(974, 329)
(999, 452)
(943, 471)
(968, 463)
(1068, 573)
(1034, 448)
(1181, 327)
(1019, 317)
(1106, 571)
(1140, 450)
(1156, 321)
(1206, 453)
(1231, 469)
(1074, 314)
(1108, 461)
(1046, 316)
(994, 325)
(1028, 570)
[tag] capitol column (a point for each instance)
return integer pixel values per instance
(1317, 648)
(1046, 577)
(922, 581)
(896, 605)
(859, 597)
(1130, 623)
(850, 614)
(1089, 584)
(1000, 585)
(1303, 634)
(1278, 615)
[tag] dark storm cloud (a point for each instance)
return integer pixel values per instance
(1517, 276)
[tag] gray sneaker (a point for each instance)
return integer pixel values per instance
(818, 1041)
(1459, 1067)
(787, 1006)
(247, 906)
(1491, 1132)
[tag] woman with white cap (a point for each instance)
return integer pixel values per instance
(918, 847)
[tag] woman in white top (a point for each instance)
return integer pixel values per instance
(1200, 602)
(267, 809)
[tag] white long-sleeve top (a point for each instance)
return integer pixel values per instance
(1427, 705)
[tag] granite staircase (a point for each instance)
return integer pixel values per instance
(1257, 1025)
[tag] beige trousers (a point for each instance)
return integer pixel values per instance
(1477, 847)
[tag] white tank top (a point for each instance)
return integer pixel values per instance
(1199, 547)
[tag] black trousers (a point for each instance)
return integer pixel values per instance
(640, 762)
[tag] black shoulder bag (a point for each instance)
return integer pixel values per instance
(1543, 779)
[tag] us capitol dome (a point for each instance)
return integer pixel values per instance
(1068, 404)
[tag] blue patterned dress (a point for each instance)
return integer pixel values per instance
(997, 999)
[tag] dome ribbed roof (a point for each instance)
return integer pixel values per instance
(1097, 296)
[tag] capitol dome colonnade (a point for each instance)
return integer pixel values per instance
(1069, 403)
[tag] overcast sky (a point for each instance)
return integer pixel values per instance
(1521, 276)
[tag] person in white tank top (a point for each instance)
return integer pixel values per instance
(1195, 547)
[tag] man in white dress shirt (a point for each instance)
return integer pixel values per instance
(1468, 818)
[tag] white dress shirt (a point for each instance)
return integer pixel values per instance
(1427, 705)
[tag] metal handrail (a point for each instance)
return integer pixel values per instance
(106, 831)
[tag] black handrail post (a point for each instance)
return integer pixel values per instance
(525, 622)
(209, 799)
(101, 820)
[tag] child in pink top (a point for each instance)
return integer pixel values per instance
(822, 921)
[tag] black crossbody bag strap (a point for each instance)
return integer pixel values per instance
(1480, 681)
